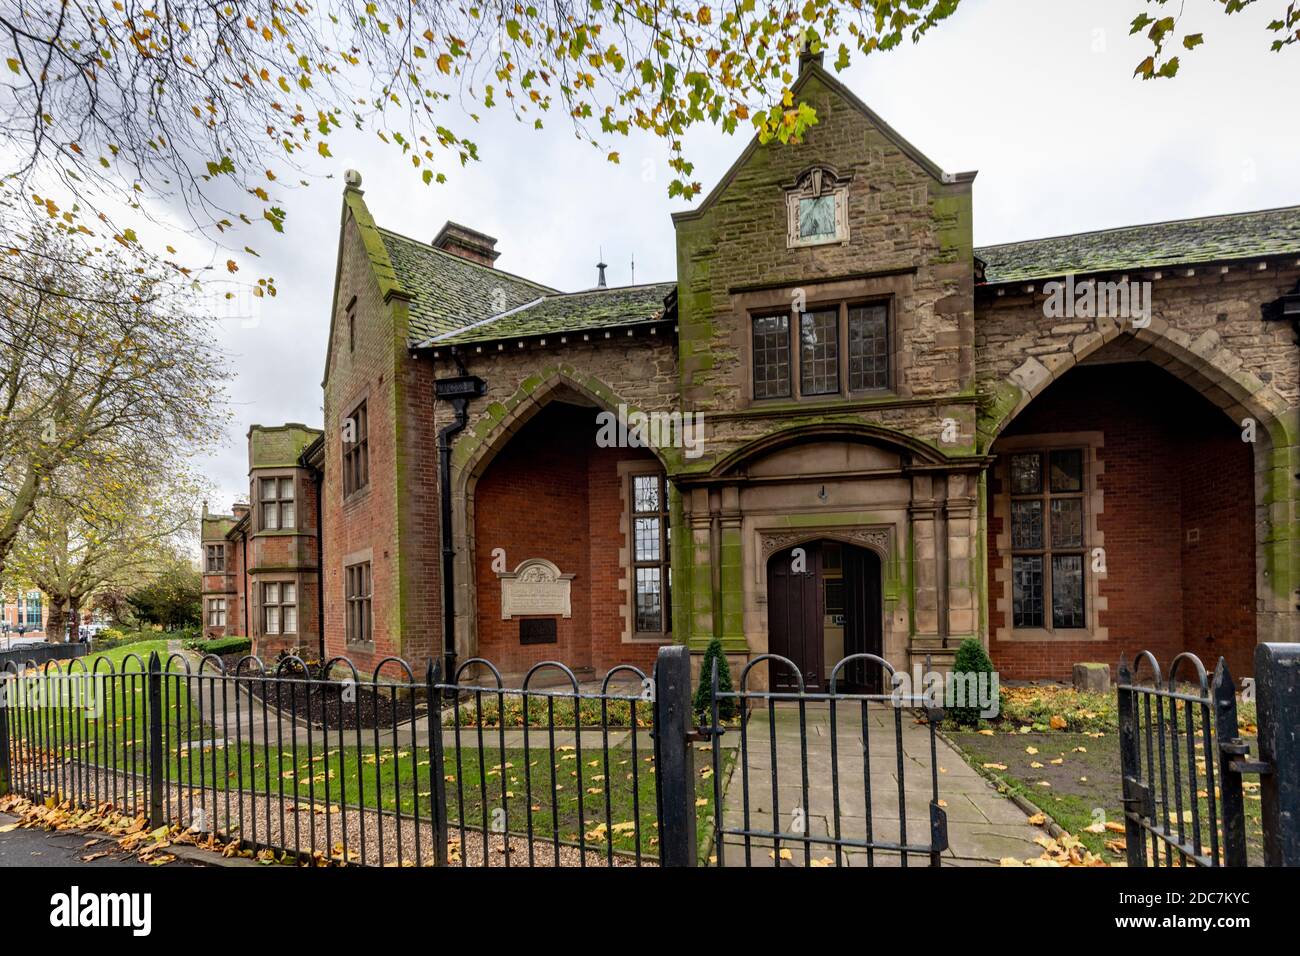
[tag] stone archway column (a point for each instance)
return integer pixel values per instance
(1277, 533)
(923, 514)
(701, 568)
(962, 582)
(732, 577)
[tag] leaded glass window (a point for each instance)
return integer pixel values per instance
(772, 356)
(277, 504)
(279, 608)
(651, 564)
(868, 347)
(841, 349)
(1027, 590)
(819, 353)
(1047, 577)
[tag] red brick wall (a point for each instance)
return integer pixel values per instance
(551, 493)
(280, 556)
(607, 538)
(1219, 567)
(220, 586)
(1170, 463)
(418, 511)
(368, 519)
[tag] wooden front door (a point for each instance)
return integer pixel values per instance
(797, 614)
(794, 615)
(862, 622)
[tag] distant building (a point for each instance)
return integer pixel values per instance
(261, 562)
(23, 608)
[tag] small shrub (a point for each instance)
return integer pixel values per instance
(111, 637)
(221, 645)
(971, 658)
(704, 693)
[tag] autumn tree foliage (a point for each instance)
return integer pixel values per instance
(99, 527)
(107, 371)
(211, 110)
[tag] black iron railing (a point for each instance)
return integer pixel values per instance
(322, 764)
(1183, 757)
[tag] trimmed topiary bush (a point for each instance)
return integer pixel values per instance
(704, 693)
(221, 646)
(971, 658)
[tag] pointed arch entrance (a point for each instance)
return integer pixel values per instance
(824, 604)
(537, 482)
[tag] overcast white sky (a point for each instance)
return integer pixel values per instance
(1036, 95)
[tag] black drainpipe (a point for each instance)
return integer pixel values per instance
(458, 390)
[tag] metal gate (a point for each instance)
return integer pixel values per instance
(1182, 758)
(834, 804)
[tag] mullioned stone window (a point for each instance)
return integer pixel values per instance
(216, 554)
(1048, 538)
(842, 349)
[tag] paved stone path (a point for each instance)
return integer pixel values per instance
(983, 825)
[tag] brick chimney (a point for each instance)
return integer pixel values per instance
(239, 509)
(467, 243)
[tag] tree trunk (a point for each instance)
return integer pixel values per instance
(74, 613)
(56, 624)
(24, 502)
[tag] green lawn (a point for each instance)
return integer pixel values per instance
(1072, 772)
(601, 797)
(604, 798)
(117, 655)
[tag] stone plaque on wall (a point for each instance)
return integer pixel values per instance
(536, 586)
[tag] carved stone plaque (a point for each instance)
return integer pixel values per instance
(536, 586)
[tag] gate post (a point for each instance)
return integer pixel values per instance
(437, 773)
(1227, 736)
(156, 768)
(674, 757)
(1277, 696)
(1129, 765)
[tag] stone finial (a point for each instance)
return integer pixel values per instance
(806, 56)
(352, 179)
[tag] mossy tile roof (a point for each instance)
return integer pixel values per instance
(570, 312)
(449, 292)
(1183, 242)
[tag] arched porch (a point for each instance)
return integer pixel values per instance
(1133, 502)
(546, 518)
